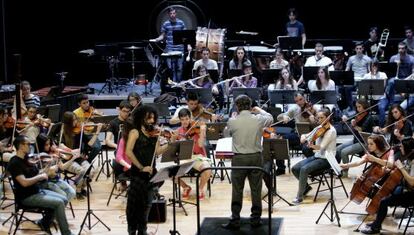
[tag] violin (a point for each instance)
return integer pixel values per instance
(158, 131)
(320, 131)
(9, 123)
(201, 112)
(361, 116)
(307, 110)
(88, 127)
(267, 132)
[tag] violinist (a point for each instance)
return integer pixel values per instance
(112, 135)
(5, 137)
(378, 153)
(324, 138)
(397, 125)
(26, 178)
(197, 110)
(141, 148)
(54, 183)
(31, 126)
(363, 122)
(197, 132)
(70, 144)
(134, 100)
(85, 111)
(403, 194)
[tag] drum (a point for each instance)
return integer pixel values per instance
(211, 38)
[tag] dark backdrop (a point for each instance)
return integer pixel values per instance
(49, 34)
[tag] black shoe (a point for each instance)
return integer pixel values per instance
(280, 172)
(43, 227)
(370, 230)
(83, 192)
(231, 226)
(80, 196)
(256, 224)
(307, 190)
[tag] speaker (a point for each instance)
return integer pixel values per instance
(158, 213)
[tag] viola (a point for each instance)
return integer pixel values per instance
(267, 132)
(321, 131)
(361, 116)
(399, 125)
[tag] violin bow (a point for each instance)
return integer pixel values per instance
(188, 131)
(355, 115)
(354, 134)
(404, 118)
(317, 127)
(155, 149)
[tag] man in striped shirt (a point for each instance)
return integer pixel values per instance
(167, 28)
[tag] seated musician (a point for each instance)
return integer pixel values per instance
(134, 100)
(378, 153)
(26, 178)
(205, 60)
(279, 62)
(403, 194)
(397, 125)
(27, 98)
(30, 126)
(204, 82)
(54, 183)
(71, 143)
(6, 130)
(196, 109)
(319, 59)
(285, 81)
(323, 82)
(246, 81)
(239, 57)
(196, 132)
(362, 122)
(85, 113)
(322, 140)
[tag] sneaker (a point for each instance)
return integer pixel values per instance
(297, 201)
(201, 196)
(370, 230)
(43, 227)
(186, 192)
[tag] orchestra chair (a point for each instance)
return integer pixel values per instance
(410, 210)
(321, 178)
(20, 210)
(118, 178)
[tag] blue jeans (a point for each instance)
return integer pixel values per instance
(304, 168)
(348, 148)
(406, 104)
(176, 66)
(61, 187)
(93, 150)
(55, 202)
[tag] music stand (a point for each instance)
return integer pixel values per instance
(234, 73)
(90, 211)
(215, 130)
(303, 128)
(204, 94)
(388, 68)
(275, 149)
(342, 78)
(325, 97)
(405, 86)
(310, 73)
(184, 37)
(290, 43)
(253, 93)
(281, 97)
(371, 87)
(335, 169)
(270, 76)
(162, 109)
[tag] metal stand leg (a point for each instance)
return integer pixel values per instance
(332, 205)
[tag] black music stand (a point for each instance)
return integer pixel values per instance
(107, 162)
(281, 97)
(215, 130)
(290, 43)
(324, 97)
(172, 172)
(162, 110)
(371, 87)
(253, 93)
(184, 37)
(204, 94)
(179, 150)
(342, 78)
(310, 73)
(275, 149)
(388, 68)
(335, 169)
(405, 86)
(90, 211)
(234, 73)
(270, 76)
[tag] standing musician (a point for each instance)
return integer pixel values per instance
(26, 178)
(321, 140)
(363, 122)
(397, 125)
(197, 110)
(197, 132)
(141, 148)
(246, 132)
(403, 194)
(84, 113)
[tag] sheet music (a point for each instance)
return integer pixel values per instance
(225, 145)
(330, 156)
(164, 173)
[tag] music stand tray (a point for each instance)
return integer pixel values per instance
(371, 87)
(184, 37)
(281, 96)
(253, 93)
(204, 94)
(270, 76)
(326, 97)
(310, 73)
(342, 78)
(104, 119)
(179, 150)
(404, 86)
(290, 43)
